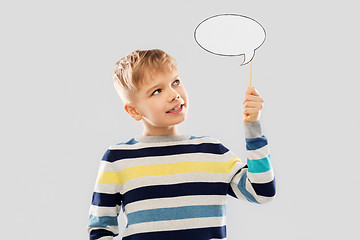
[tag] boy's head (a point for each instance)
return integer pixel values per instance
(148, 83)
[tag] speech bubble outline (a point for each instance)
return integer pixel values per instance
(255, 36)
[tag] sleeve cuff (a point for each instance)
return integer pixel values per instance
(252, 129)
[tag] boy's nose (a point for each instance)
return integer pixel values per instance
(175, 96)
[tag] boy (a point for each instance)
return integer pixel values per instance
(172, 186)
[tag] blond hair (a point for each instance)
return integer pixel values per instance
(132, 70)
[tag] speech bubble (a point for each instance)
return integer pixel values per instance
(230, 35)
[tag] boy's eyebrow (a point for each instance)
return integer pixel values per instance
(157, 85)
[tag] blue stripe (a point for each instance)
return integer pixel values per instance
(118, 154)
(175, 213)
(259, 165)
(175, 190)
(130, 142)
(193, 137)
(98, 233)
(242, 187)
(265, 189)
(106, 199)
(190, 233)
(95, 221)
(256, 143)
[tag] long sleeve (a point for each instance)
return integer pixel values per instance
(105, 204)
(254, 181)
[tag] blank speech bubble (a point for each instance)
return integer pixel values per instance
(230, 35)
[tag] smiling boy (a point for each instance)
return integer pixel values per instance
(170, 185)
(161, 103)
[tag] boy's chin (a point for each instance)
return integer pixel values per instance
(180, 120)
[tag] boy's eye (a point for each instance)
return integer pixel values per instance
(159, 90)
(156, 91)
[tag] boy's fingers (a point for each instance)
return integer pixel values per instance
(253, 105)
(249, 111)
(253, 98)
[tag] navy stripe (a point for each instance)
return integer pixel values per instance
(197, 233)
(265, 189)
(98, 233)
(256, 143)
(175, 190)
(106, 199)
(231, 192)
(118, 154)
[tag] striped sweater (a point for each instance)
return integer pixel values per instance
(175, 187)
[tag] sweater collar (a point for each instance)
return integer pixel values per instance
(167, 138)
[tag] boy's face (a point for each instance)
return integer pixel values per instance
(154, 103)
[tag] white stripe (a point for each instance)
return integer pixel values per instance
(175, 202)
(106, 238)
(174, 179)
(258, 153)
(104, 211)
(169, 225)
(107, 188)
(264, 177)
(263, 199)
(250, 189)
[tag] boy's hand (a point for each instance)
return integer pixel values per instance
(252, 105)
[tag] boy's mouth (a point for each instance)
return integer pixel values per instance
(175, 108)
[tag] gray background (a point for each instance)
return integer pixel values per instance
(59, 111)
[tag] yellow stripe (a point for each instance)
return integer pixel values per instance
(166, 169)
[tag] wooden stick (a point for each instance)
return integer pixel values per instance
(250, 72)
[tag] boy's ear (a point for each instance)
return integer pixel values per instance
(129, 108)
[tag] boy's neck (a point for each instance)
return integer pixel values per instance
(171, 131)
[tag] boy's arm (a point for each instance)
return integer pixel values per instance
(105, 204)
(254, 181)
